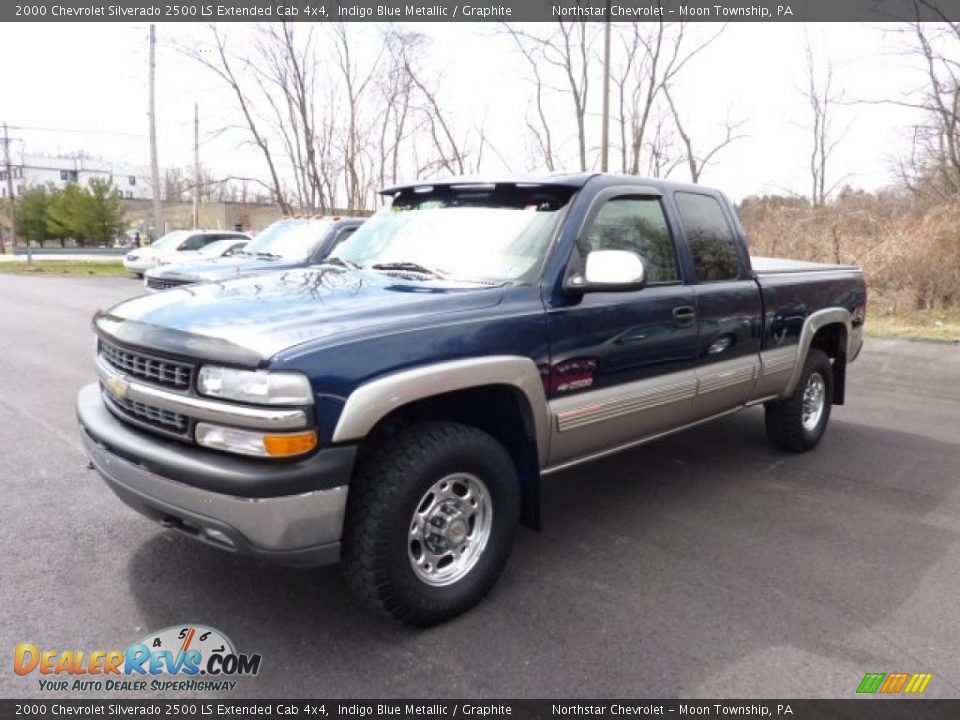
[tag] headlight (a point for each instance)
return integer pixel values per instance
(257, 386)
(132, 256)
(251, 442)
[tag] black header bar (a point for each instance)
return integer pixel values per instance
(480, 10)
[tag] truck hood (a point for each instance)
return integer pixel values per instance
(221, 268)
(248, 320)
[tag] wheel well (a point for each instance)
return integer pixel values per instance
(832, 339)
(499, 410)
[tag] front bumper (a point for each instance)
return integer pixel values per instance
(172, 484)
(140, 265)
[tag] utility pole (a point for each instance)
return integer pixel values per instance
(154, 163)
(605, 136)
(13, 203)
(196, 165)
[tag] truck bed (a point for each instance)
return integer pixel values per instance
(775, 266)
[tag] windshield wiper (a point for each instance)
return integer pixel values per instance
(269, 256)
(408, 267)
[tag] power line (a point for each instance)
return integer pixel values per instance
(77, 131)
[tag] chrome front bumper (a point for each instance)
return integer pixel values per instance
(302, 529)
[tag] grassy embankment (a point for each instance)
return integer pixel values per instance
(932, 324)
(65, 267)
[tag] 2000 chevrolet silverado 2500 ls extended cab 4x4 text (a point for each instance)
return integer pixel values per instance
(396, 407)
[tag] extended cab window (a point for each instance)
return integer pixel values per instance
(711, 240)
(638, 225)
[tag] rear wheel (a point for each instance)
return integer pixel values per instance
(430, 522)
(796, 423)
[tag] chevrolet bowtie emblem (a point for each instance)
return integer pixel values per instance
(118, 386)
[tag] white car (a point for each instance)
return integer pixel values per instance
(140, 260)
(216, 249)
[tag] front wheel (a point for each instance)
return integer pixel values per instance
(797, 422)
(430, 522)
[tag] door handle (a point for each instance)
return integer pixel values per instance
(684, 316)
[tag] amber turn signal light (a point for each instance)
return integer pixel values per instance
(287, 445)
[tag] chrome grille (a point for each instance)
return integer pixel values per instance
(168, 373)
(154, 416)
(158, 284)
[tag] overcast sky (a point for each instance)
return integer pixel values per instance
(92, 77)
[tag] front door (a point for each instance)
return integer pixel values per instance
(622, 364)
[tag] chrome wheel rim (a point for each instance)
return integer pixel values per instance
(450, 529)
(814, 397)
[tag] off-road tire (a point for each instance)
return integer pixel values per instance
(384, 494)
(784, 417)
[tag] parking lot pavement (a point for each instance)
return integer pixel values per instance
(707, 564)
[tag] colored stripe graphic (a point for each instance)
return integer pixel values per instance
(918, 683)
(913, 683)
(894, 683)
(871, 682)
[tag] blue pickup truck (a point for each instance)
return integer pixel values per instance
(397, 407)
(285, 244)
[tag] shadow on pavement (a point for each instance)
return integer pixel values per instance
(656, 569)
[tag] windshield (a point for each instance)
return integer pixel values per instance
(215, 249)
(482, 233)
(289, 239)
(170, 240)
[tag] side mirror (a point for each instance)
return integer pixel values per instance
(610, 271)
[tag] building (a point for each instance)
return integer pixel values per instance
(133, 183)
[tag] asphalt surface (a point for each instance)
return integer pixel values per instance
(705, 565)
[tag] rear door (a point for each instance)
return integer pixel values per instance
(622, 364)
(728, 305)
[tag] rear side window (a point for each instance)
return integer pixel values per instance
(344, 234)
(711, 240)
(638, 225)
(198, 241)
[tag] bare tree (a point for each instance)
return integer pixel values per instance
(283, 65)
(450, 155)
(356, 82)
(651, 57)
(823, 100)
(538, 127)
(697, 162)
(223, 65)
(398, 96)
(568, 51)
(174, 185)
(932, 168)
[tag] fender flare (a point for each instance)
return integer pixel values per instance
(374, 400)
(814, 322)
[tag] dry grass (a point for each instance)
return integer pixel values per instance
(931, 324)
(910, 252)
(65, 267)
